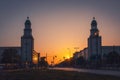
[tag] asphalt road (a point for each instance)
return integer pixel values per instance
(103, 72)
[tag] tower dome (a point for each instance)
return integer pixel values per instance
(27, 22)
(94, 22)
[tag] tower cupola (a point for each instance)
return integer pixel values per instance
(94, 30)
(94, 22)
(27, 22)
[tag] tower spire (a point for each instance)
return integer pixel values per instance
(27, 17)
(94, 23)
(94, 30)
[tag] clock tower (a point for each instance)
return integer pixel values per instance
(94, 41)
(27, 43)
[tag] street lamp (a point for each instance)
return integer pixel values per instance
(54, 59)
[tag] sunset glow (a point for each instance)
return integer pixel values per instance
(59, 25)
(35, 60)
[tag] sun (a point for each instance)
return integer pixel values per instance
(67, 57)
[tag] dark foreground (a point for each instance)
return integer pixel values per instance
(53, 75)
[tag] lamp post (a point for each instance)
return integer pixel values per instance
(53, 59)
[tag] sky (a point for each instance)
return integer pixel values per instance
(58, 26)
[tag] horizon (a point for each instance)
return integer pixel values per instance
(59, 25)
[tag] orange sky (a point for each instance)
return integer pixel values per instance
(57, 26)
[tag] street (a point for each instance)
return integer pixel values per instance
(103, 72)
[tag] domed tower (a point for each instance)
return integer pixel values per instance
(94, 41)
(94, 31)
(27, 43)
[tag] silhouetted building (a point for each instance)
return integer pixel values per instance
(3, 49)
(94, 40)
(95, 49)
(27, 44)
(83, 53)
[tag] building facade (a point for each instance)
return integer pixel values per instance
(94, 40)
(95, 48)
(2, 50)
(27, 44)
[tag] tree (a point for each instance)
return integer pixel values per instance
(10, 56)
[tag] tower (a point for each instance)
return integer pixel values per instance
(94, 41)
(27, 43)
